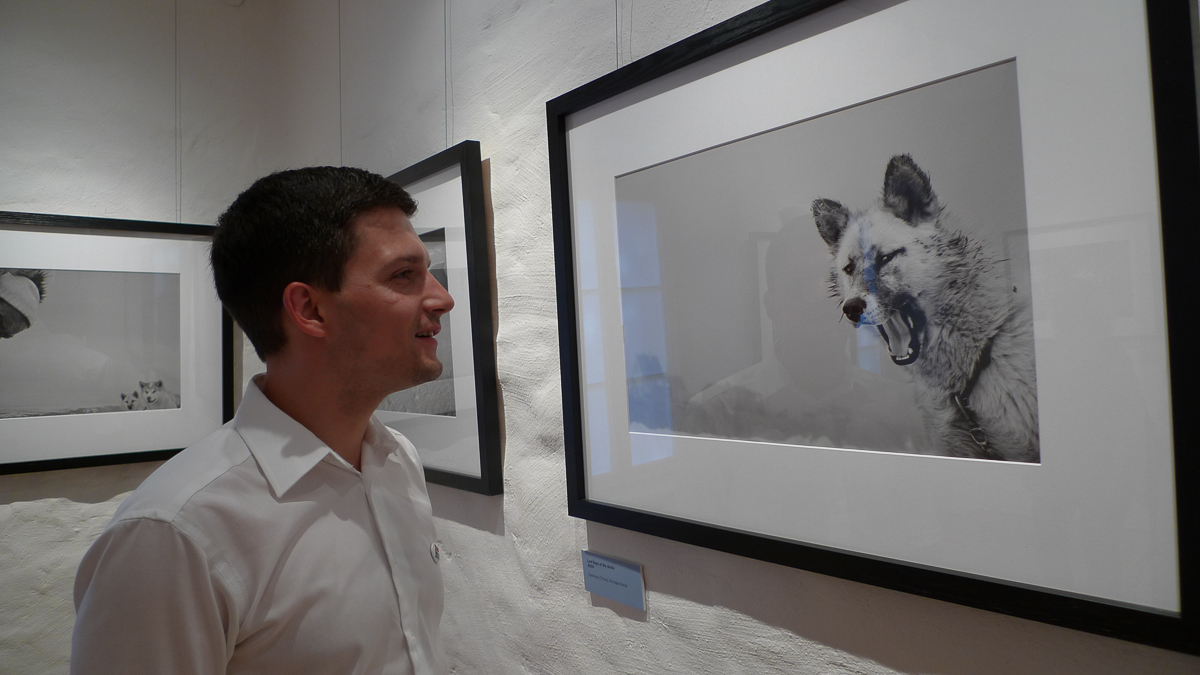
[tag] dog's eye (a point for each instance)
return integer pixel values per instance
(887, 258)
(849, 268)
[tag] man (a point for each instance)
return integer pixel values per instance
(298, 538)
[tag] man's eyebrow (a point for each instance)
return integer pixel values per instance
(409, 258)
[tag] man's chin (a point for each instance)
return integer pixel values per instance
(435, 371)
(428, 373)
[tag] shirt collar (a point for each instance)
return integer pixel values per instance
(284, 449)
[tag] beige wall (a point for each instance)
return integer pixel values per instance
(159, 110)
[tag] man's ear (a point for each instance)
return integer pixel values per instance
(302, 309)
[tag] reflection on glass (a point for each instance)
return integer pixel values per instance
(642, 316)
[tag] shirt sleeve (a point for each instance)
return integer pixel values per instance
(148, 600)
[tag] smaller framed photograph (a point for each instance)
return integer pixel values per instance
(113, 345)
(454, 421)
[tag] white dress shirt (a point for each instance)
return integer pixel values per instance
(260, 550)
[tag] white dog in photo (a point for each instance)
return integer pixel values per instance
(945, 309)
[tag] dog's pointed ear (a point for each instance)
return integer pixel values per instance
(831, 218)
(907, 192)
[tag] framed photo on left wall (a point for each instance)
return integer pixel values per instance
(113, 345)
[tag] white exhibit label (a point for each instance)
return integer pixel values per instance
(614, 579)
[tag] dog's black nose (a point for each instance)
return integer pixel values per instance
(854, 308)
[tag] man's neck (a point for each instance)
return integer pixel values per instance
(318, 405)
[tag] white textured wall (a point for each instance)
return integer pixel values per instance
(154, 109)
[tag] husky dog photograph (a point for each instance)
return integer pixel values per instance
(945, 312)
(729, 330)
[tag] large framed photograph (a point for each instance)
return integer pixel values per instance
(113, 345)
(454, 421)
(894, 292)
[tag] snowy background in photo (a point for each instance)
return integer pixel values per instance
(95, 336)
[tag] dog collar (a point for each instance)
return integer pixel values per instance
(982, 361)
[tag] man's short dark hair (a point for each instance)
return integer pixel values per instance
(291, 226)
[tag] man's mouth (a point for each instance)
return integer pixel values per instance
(904, 332)
(432, 332)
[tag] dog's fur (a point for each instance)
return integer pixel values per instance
(156, 397)
(133, 401)
(937, 298)
(150, 396)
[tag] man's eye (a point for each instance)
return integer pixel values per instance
(849, 268)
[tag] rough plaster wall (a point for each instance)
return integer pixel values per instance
(248, 104)
(258, 92)
(516, 603)
(48, 520)
(393, 83)
(87, 108)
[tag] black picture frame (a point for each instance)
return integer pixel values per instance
(1177, 148)
(119, 230)
(466, 160)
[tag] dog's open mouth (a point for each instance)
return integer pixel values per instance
(903, 332)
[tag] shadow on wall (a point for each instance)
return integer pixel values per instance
(621, 610)
(903, 632)
(482, 513)
(91, 485)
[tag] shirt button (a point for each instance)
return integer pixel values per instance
(436, 552)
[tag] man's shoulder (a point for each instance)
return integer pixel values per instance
(403, 451)
(175, 484)
(405, 444)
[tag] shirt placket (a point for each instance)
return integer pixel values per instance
(384, 488)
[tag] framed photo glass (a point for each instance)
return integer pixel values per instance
(891, 291)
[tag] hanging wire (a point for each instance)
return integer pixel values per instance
(447, 77)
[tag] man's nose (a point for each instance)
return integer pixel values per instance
(440, 299)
